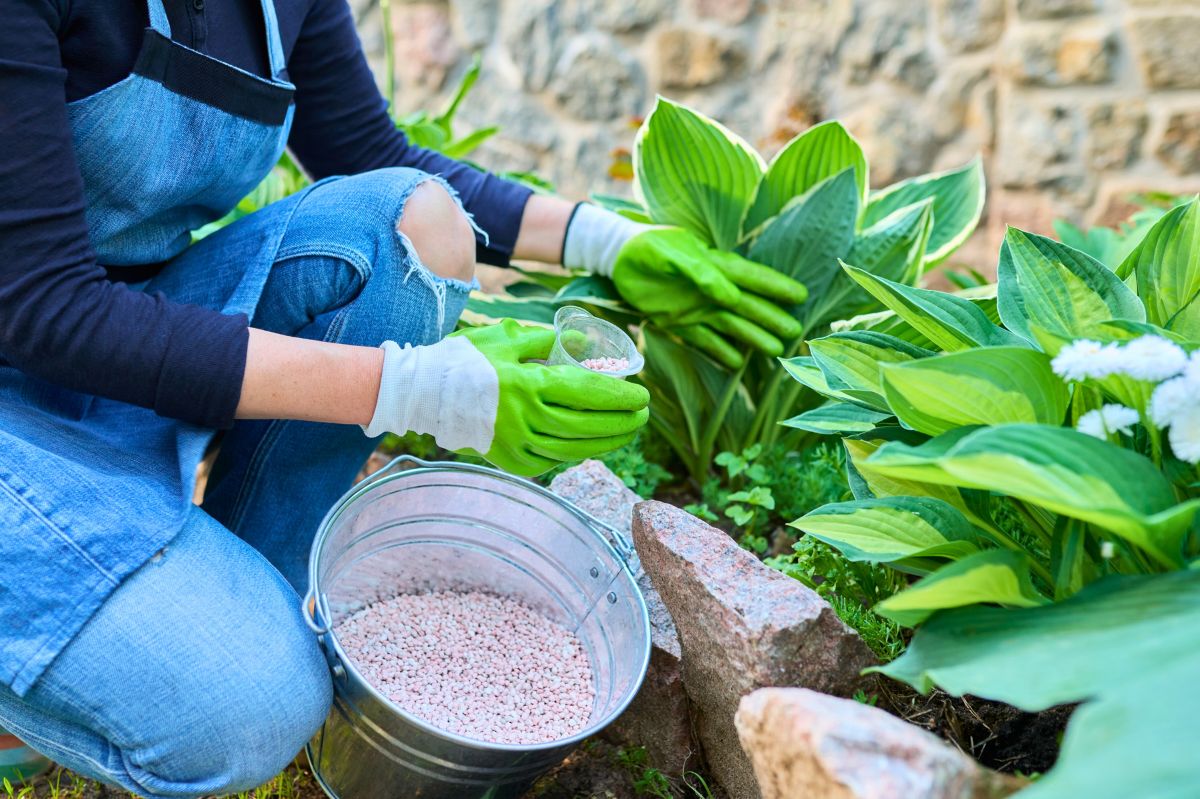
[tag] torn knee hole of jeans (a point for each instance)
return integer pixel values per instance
(436, 283)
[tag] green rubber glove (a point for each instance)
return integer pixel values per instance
(712, 299)
(551, 414)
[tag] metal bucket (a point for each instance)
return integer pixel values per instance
(417, 526)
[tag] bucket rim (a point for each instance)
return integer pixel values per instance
(314, 606)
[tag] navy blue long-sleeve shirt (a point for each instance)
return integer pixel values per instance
(63, 317)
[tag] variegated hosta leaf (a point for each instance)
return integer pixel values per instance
(1058, 469)
(893, 248)
(1045, 283)
(1166, 265)
(806, 240)
(818, 153)
(858, 451)
(851, 363)
(992, 576)
(957, 203)
(837, 417)
(950, 322)
(693, 172)
(913, 534)
(1125, 647)
(984, 386)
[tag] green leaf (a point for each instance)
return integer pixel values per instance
(837, 417)
(1124, 646)
(851, 363)
(984, 386)
(488, 308)
(950, 322)
(1058, 469)
(818, 153)
(693, 172)
(621, 205)
(677, 388)
(807, 239)
(804, 370)
(972, 504)
(1166, 265)
(1047, 284)
(461, 148)
(892, 248)
(957, 203)
(914, 534)
(993, 575)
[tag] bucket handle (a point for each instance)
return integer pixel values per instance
(308, 608)
(617, 539)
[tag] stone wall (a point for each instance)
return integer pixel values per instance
(1074, 104)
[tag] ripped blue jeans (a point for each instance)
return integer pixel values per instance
(197, 676)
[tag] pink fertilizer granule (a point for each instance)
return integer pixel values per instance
(482, 666)
(606, 364)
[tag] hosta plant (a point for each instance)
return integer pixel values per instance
(1029, 457)
(799, 213)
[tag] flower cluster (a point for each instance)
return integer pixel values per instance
(1175, 403)
(1149, 358)
(1107, 420)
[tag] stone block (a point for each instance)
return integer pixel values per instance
(967, 25)
(805, 744)
(1166, 48)
(742, 626)
(1062, 56)
(689, 58)
(730, 12)
(427, 48)
(597, 80)
(1115, 132)
(658, 718)
(1179, 147)
(1049, 9)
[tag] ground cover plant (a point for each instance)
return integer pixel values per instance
(1027, 456)
(800, 213)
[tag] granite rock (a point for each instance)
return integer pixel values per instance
(806, 744)
(742, 626)
(658, 718)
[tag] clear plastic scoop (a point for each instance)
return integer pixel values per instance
(590, 343)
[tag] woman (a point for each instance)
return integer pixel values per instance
(154, 644)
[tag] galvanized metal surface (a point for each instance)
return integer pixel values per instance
(417, 525)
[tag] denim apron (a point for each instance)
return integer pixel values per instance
(90, 489)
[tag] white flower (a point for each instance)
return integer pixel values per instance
(1152, 358)
(1107, 550)
(1172, 398)
(1185, 435)
(1107, 420)
(1191, 372)
(1084, 358)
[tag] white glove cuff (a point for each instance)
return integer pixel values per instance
(448, 390)
(595, 236)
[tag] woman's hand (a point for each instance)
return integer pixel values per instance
(710, 298)
(479, 391)
(707, 297)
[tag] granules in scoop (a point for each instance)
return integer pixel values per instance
(482, 666)
(606, 364)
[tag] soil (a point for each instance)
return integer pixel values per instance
(998, 735)
(600, 770)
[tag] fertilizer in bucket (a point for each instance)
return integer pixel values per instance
(480, 665)
(477, 628)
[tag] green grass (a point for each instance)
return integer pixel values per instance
(294, 783)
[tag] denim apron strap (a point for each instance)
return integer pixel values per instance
(158, 17)
(274, 43)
